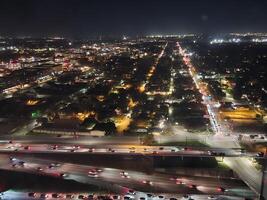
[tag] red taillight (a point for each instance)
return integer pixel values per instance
(219, 189)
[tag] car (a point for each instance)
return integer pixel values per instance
(149, 195)
(212, 197)
(32, 194)
(96, 170)
(132, 192)
(10, 147)
(179, 182)
(90, 196)
(127, 198)
(221, 189)
(110, 150)
(172, 198)
(91, 150)
(173, 150)
(192, 186)
(76, 147)
(260, 154)
(147, 182)
(212, 153)
(54, 147)
(124, 173)
(39, 169)
(44, 196)
(81, 196)
(55, 195)
(187, 149)
(21, 163)
(161, 197)
(27, 148)
(94, 173)
(142, 198)
(186, 196)
(161, 148)
(155, 152)
(242, 150)
(252, 136)
(53, 165)
(222, 154)
(63, 175)
(70, 196)
(115, 197)
(102, 197)
(12, 158)
(10, 142)
(125, 176)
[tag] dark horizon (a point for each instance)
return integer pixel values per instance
(83, 19)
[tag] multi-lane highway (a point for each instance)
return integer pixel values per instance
(82, 140)
(122, 149)
(122, 181)
(10, 195)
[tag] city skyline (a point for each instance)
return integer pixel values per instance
(83, 19)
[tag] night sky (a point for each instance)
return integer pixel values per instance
(85, 18)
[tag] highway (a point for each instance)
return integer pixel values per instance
(10, 195)
(122, 181)
(129, 150)
(82, 140)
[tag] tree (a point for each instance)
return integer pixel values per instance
(108, 127)
(89, 123)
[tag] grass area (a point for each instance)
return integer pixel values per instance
(222, 165)
(258, 166)
(188, 162)
(38, 134)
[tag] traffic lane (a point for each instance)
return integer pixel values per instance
(81, 173)
(147, 154)
(81, 140)
(242, 166)
(42, 167)
(116, 142)
(125, 149)
(114, 175)
(18, 195)
(245, 170)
